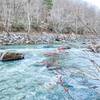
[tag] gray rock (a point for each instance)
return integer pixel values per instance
(23, 38)
(10, 56)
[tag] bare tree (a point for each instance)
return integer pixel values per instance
(61, 16)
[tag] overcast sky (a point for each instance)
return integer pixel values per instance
(94, 2)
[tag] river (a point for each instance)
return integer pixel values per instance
(29, 79)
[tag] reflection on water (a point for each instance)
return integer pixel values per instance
(30, 79)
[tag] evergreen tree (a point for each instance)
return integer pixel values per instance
(48, 4)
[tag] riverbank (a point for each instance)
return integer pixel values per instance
(24, 38)
(42, 38)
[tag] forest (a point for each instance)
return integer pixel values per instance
(58, 16)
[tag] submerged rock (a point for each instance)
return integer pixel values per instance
(51, 53)
(51, 65)
(63, 48)
(10, 56)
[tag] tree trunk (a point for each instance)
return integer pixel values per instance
(28, 16)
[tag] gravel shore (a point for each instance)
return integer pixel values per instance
(43, 38)
(24, 38)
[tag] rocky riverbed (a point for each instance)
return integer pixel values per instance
(24, 38)
(38, 38)
(44, 38)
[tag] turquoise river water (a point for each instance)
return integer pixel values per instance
(30, 79)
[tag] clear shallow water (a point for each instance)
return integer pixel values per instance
(28, 79)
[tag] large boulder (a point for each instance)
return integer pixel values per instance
(10, 56)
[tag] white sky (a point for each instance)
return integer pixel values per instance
(94, 2)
